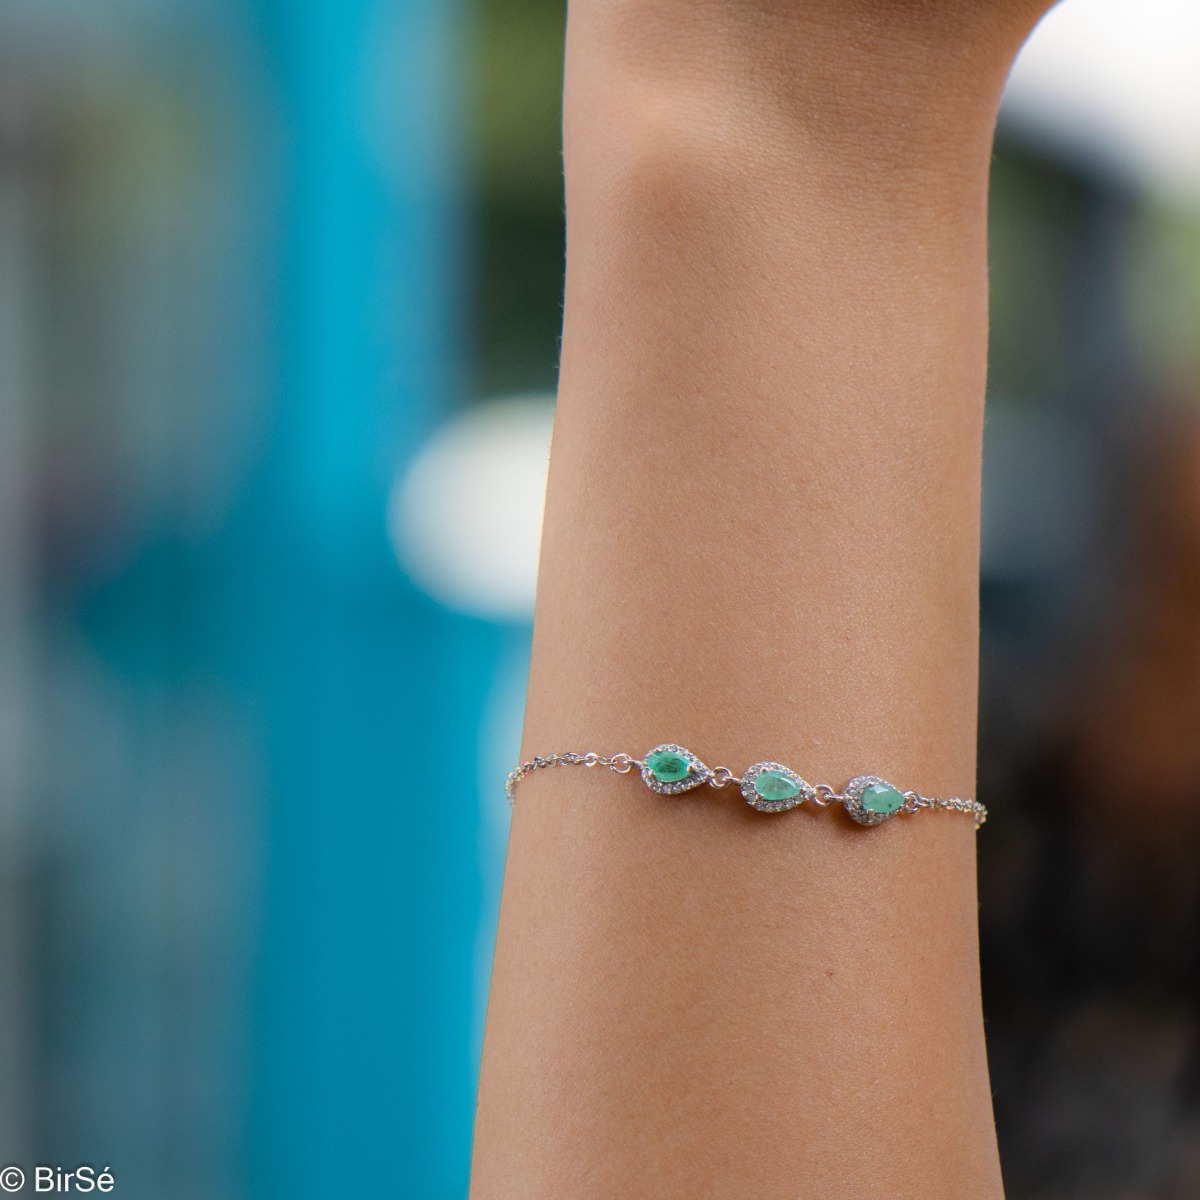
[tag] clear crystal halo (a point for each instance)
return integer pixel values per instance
(697, 774)
(762, 803)
(854, 800)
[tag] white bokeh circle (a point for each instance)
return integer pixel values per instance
(466, 516)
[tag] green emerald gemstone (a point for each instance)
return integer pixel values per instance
(775, 785)
(881, 798)
(668, 767)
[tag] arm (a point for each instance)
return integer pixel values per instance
(761, 541)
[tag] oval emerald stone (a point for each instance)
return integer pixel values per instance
(667, 766)
(775, 785)
(881, 798)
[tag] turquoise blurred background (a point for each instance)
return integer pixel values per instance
(280, 293)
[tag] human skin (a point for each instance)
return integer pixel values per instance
(761, 542)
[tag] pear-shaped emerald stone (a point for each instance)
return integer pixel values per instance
(667, 766)
(881, 798)
(775, 785)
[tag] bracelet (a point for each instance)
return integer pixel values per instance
(767, 786)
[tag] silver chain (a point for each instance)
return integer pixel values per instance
(822, 795)
(622, 764)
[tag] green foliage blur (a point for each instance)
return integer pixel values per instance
(518, 140)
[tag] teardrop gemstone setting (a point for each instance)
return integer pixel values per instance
(773, 787)
(670, 769)
(871, 800)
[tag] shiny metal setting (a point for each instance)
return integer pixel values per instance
(698, 773)
(752, 798)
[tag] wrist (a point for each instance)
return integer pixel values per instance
(855, 83)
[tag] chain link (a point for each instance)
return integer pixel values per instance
(821, 794)
(621, 763)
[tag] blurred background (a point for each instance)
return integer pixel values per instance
(279, 310)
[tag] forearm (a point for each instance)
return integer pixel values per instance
(761, 541)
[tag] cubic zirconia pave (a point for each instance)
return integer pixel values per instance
(772, 787)
(669, 755)
(869, 800)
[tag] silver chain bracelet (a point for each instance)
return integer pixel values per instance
(767, 786)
